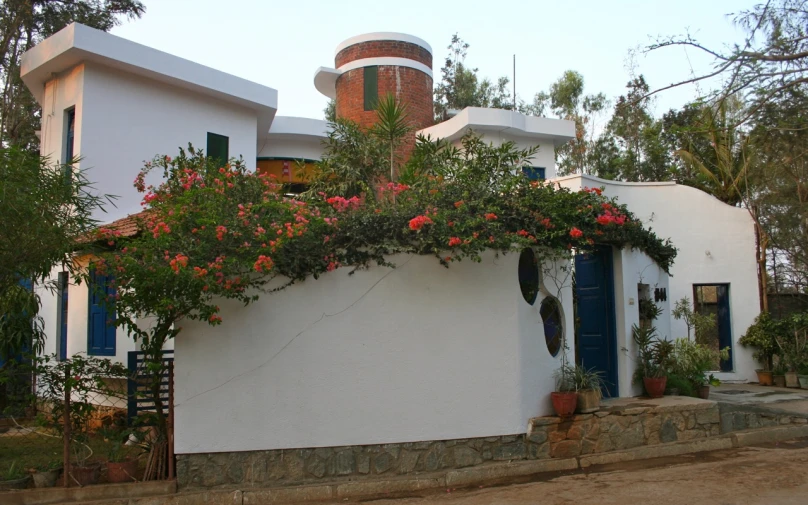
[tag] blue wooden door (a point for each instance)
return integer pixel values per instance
(63, 290)
(724, 325)
(597, 343)
(100, 327)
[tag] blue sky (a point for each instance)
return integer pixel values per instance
(281, 44)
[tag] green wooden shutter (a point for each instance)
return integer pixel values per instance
(218, 147)
(371, 80)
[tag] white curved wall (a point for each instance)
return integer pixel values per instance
(415, 353)
(697, 223)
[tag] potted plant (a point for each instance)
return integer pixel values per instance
(692, 362)
(779, 374)
(793, 349)
(15, 477)
(653, 360)
(47, 474)
(803, 376)
(762, 337)
(565, 397)
(589, 384)
(120, 467)
(649, 312)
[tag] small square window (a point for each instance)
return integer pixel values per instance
(218, 147)
(534, 173)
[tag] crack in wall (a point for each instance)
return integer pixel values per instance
(301, 332)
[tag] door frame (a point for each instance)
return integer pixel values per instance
(613, 378)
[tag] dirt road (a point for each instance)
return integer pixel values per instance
(770, 475)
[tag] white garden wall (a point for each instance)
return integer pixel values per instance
(419, 352)
(716, 244)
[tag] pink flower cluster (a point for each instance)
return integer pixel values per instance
(342, 204)
(394, 187)
(263, 264)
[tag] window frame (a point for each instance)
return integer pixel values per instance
(370, 87)
(215, 140)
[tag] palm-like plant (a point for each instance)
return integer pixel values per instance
(724, 172)
(392, 125)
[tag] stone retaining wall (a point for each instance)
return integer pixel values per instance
(736, 417)
(548, 437)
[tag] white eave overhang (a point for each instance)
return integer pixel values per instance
(325, 80)
(506, 122)
(77, 43)
(298, 128)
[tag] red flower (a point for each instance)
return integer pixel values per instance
(418, 222)
(453, 241)
(605, 219)
(263, 264)
(576, 233)
(458, 204)
(490, 216)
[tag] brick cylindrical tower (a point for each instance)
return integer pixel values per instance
(373, 65)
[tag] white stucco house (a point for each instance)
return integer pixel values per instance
(401, 355)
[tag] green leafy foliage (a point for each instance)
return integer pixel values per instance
(654, 355)
(88, 381)
(762, 336)
(691, 361)
(460, 87)
(45, 214)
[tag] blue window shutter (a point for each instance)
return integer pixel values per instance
(100, 324)
(534, 173)
(62, 311)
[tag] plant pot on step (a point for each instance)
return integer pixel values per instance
(704, 392)
(792, 380)
(84, 475)
(779, 380)
(564, 403)
(803, 381)
(122, 471)
(655, 386)
(20, 483)
(588, 401)
(46, 479)
(764, 377)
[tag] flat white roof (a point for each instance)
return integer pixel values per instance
(505, 121)
(77, 43)
(291, 127)
(396, 36)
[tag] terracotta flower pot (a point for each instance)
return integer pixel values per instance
(84, 475)
(564, 403)
(655, 386)
(704, 392)
(803, 381)
(792, 380)
(122, 471)
(779, 381)
(764, 377)
(588, 401)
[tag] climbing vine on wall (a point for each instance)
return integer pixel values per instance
(210, 232)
